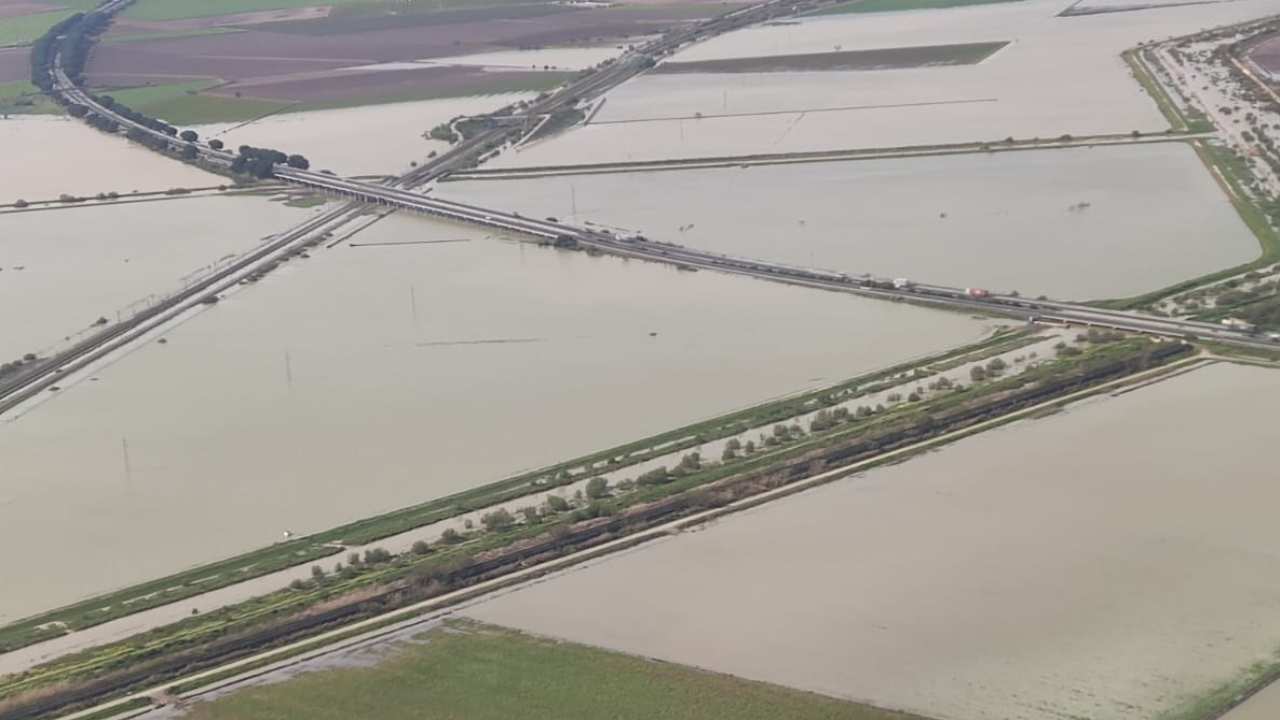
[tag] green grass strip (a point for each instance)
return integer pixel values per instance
(482, 672)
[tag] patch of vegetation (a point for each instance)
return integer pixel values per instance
(185, 104)
(26, 29)
(371, 586)
(24, 98)
(482, 672)
(1216, 702)
(202, 579)
(874, 6)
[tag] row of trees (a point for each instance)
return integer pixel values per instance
(45, 49)
(261, 162)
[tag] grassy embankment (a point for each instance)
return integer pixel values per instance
(874, 6)
(1230, 172)
(481, 672)
(205, 578)
(437, 571)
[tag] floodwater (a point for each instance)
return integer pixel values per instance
(1263, 706)
(1114, 560)
(375, 376)
(375, 139)
(46, 156)
(1057, 76)
(61, 270)
(1069, 223)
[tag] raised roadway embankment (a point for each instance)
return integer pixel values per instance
(635, 247)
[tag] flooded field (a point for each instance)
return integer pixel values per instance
(1114, 560)
(87, 162)
(422, 360)
(1263, 706)
(1092, 92)
(1067, 223)
(395, 137)
(61, 270)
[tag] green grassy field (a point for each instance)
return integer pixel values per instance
(873, 6)
(480, 672)
(182, 103)
(22, 97)
(186, 104)
(23, 29)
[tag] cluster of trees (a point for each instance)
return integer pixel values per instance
(129, 113)
(72, 37)
(77, 40)
(45, 49)
(261, 162)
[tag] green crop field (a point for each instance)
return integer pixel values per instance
(182, 103)
(872, 6)
(479, 672)
(23, 29)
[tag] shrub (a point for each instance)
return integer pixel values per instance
(597, 487)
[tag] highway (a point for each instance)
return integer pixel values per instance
(398, 194)
(555, 232)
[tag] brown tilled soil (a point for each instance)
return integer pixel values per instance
(15, 64)
(305, 47)
(14, 8)
(387, 84)
(130, 26)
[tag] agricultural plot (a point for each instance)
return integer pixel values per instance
(852, 60)
(701, 115)
(361, 54)
(1267, 56)
(1016, 574)
(419, 360)
(14, 65)
(479, 672)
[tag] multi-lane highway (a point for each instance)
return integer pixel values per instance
(398, 193)
(637, 247)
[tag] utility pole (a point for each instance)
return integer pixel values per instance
(413, 305)
(288, 370)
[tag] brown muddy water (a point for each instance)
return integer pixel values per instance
(1069, 223)
(61, 270)
(1112, 561)
(425, 360)
(46, 156)
(1057, 76)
